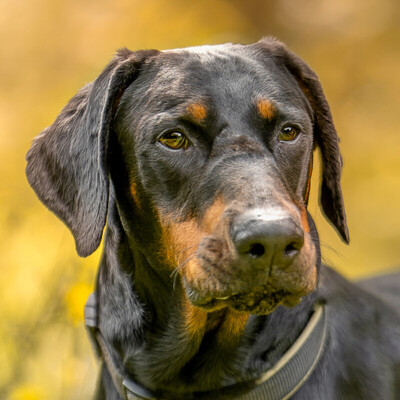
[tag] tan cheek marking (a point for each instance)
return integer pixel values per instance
(181, 239)
(194, 272)
(266, 109)
(213, 214)
(212, 218)
(313, 279)
(304, 220)
(310, 169)
(197, 111)
(310, 274)
(134, 194)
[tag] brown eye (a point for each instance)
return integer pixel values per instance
(174, 140)
(288, 134)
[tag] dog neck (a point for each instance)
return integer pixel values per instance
(166, 344)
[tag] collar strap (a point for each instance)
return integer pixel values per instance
(278, 383)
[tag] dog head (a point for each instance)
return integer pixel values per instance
(209, 153)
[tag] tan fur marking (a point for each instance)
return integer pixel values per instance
(310, 170)
(313, 278)
(197, 111)
(194, 272)
(266, 109)
(213, 214)
(197, 323)
(195, 319)
(304, 220)
(134, 194)
(233, 326)
(309, 271)
(182, 239)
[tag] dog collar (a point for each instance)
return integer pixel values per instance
(278, 383)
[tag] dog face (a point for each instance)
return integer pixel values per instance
(220, 150)
(209, 151)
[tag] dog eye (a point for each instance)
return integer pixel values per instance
(288, 134)
(174, 140)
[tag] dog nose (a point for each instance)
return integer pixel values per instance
(266, 238)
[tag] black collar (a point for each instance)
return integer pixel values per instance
(278, 383)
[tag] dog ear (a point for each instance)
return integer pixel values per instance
(331, 198)
(66, 165)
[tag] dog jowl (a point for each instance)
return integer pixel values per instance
(199, 163)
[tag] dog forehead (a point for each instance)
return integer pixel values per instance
(216, 61)
(224, 80)
(204, 49)
(227, 71)
(214, 53)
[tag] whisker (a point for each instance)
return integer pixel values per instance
(175, 272)
(189, 248)
(184, 262)
(330, 248)
(324, 245)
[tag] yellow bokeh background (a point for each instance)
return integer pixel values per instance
(51, 48)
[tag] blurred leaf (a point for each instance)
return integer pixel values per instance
(27, 392)
(75, 300)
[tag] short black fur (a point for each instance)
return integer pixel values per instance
(171, 218)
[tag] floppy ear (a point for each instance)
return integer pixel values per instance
(66, 165)
(331, 199)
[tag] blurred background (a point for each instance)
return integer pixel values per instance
(51, 48)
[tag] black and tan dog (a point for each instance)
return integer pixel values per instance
(198, 163)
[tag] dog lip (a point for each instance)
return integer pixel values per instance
(222, 298)
(248, 302)
(209, 300)
(225, 296)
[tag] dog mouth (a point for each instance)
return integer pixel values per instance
(261, 300)
(266, 261)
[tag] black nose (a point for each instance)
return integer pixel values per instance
(263, 238)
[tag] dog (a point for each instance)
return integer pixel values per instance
(197, 163)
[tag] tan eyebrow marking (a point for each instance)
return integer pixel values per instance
(197, 111)
(266, 109)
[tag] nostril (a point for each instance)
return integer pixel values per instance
(291, 249)
(256, 250)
